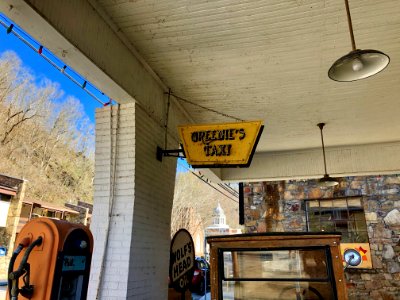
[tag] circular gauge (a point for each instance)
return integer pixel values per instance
(352, 257)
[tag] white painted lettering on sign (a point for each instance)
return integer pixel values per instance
(181, 259)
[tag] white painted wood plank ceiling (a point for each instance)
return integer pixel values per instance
(269, 60)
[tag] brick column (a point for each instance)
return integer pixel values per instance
(137, 252)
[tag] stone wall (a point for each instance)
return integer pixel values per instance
(9, 232)
(279, 206)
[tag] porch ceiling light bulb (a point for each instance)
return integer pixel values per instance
(325, 181)
(358, 64)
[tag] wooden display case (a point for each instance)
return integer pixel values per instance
(277, 266)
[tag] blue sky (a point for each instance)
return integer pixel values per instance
(42, 69)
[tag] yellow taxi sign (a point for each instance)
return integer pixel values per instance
(220, 145)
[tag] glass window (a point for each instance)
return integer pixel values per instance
(4, 197)
(344, 215)
(278, 263)
(277, 274)
(25, 210)
(276, 290)
(202, 264)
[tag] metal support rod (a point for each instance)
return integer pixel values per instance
(321, 126)
(353, 43)
(241, 204)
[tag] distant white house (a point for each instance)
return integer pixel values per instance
(219, 226)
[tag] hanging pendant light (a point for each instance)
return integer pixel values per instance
(325, 181)
(358, 64)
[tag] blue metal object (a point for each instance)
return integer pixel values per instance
(3, 251)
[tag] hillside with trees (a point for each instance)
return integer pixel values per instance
(45, 137)
(195, 201)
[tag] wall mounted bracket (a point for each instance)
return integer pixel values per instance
(171, 153)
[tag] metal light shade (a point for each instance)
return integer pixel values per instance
(358, 64)
(327, 181)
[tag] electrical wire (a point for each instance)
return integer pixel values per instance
(206, 182)
(69, 72)
(166, 119)
(229, 189)
(51, 59)
(77, 78)
(206, 108)
(113, 177)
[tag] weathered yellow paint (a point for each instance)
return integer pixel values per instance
(228, 144)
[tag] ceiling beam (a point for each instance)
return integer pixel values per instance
(371, 159)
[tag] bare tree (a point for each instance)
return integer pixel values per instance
(44, 137)
(9, 64)
(185, 217)
(21, 99)
(194, 203)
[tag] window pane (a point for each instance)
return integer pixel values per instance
(276, 290)
(266, 264)
(341, 214)
(354, 202)
(345, 215)
(347, 237)
(326, 215)
(314, 218)
(361, 237)
(315, 228)
(327, 226)
(357, 215)
(327, 203)
(343, 224)
(339, 203)
(313, 203)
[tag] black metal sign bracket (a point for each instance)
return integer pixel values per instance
(170, 153)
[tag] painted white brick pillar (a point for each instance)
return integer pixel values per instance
(134, 261)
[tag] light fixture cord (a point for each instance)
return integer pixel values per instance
(353, 43)
(206, 108)
(321, 126)
(166, 120)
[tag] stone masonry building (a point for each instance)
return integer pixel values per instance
(282, 206)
